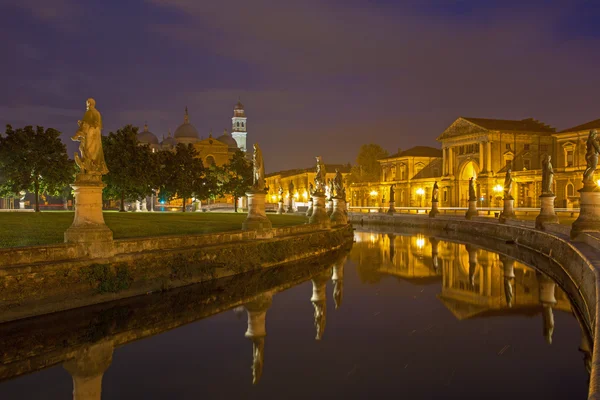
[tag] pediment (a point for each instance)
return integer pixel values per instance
(568, 144)
(461, 127)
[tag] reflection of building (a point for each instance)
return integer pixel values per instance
(483, 148)
(475, 282)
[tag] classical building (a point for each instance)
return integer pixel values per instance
(484, 149)
(301, 179)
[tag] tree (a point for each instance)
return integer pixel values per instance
(131, 166)
(35, 160)
(367, 167)
(239, 174)
(185, 175)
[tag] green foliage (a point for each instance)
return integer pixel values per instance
(107, 278)
(184, 174)
(367, 167)
(34, 160)
(239, 176)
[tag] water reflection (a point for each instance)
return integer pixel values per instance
(470, 282)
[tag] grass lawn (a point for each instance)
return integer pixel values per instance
(30, 229)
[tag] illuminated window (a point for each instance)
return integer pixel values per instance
(569, 158)
(570, 190)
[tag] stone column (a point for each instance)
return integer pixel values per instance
(482, 158)
(257, 331)
(309, 211)
(280, 208)
(509, 275)
(547, 299)
(488, 157)
(589, 212)
(450, 161)
(88, 226)
(338, 282)
(22, 200)
(444, 161)
(547, 213)
(434, 209)
(508, 212)
(152, 202)
(319, 215)
(257, 217)
(472, 211)
(87, 368)
(319, 301)
(338, 216)
(392, 208)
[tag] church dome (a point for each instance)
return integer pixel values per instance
(186, 130)
(147, 137)
(169, 141)
(228, 140)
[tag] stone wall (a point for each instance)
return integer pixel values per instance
(43, 279)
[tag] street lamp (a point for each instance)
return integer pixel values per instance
(420, 192)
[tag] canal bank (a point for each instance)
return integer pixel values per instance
(579, 274)
(43, 279)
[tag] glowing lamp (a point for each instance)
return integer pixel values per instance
(374, 193)
(598, 182)
(305, 195)
(420, 242)
(420, 191)
(498, 188)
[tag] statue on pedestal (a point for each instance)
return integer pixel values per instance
(291, 190)
(508, 185)
(338, 184)
(435, 192)
(547, 176)
(311, 189)
(258, 168)
(280, 193)
(320, 176)
(392, 194)
(89, 136)
(591, 158)
(472, 194)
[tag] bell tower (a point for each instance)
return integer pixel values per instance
(238, 126)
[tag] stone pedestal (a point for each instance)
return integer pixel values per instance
(290, 207)
(434, 209)
(319, 215)
(547, 213)
(338, 216)
(309, 211)
(338, 282)
(137, 207)
(257, 312)
(87, 368)
(88, 226)
(589, 214)
(329, 207)
(319, 301)
(280, 208)
(508, 212)
(472, 211)
(152, 203)
(257, 218)
(391, 210)
(144, 205)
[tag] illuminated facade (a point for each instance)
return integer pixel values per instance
(484, 149)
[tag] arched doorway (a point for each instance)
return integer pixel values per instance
(469, 169)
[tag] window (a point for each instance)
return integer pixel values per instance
(526, 164)
(526, 146)
(543, 147)
(237, 124)
(570, 190)
(569, 158)
(418, 168)
(242, 124)
(509, 163)
(445, 195)
(210, 160)
(507, 146)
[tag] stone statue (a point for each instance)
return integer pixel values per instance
(329, 188)
(472, 194)
(392, 194)
(311, 188)
(591, 158)
(291, 189)
(89, 137)
(338, 184)
(547, 176)
(280, 193)
(320, 176)
(258, 164)
(435, 192)
(508, 185)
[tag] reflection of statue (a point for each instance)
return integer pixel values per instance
(547, 175)
(392, 194)
(258, 354)
(472, 195)
(320, 176)
(508, 185)
(508, 291)
(591, 158)
(338, 184)
(258, 169)
(89, 137)
(320, 318)
(434, 192)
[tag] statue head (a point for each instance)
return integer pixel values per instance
(90, 104)
(508, 171)
(593, 133)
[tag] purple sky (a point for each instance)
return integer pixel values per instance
(316, 77)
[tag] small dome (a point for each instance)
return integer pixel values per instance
(228, 140)
(186, 130)
(147, 137)
(169, 141)
(239, 106)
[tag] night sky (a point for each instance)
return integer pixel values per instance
(316, 77)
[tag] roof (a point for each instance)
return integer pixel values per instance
(417, 151)
(186, 130)
(330, 168)
(504, 125)
(147, 137)
(228, 140)
(595, 124)
(431, 170)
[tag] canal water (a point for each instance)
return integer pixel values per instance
(399, 315)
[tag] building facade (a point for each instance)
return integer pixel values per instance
(483, 149)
